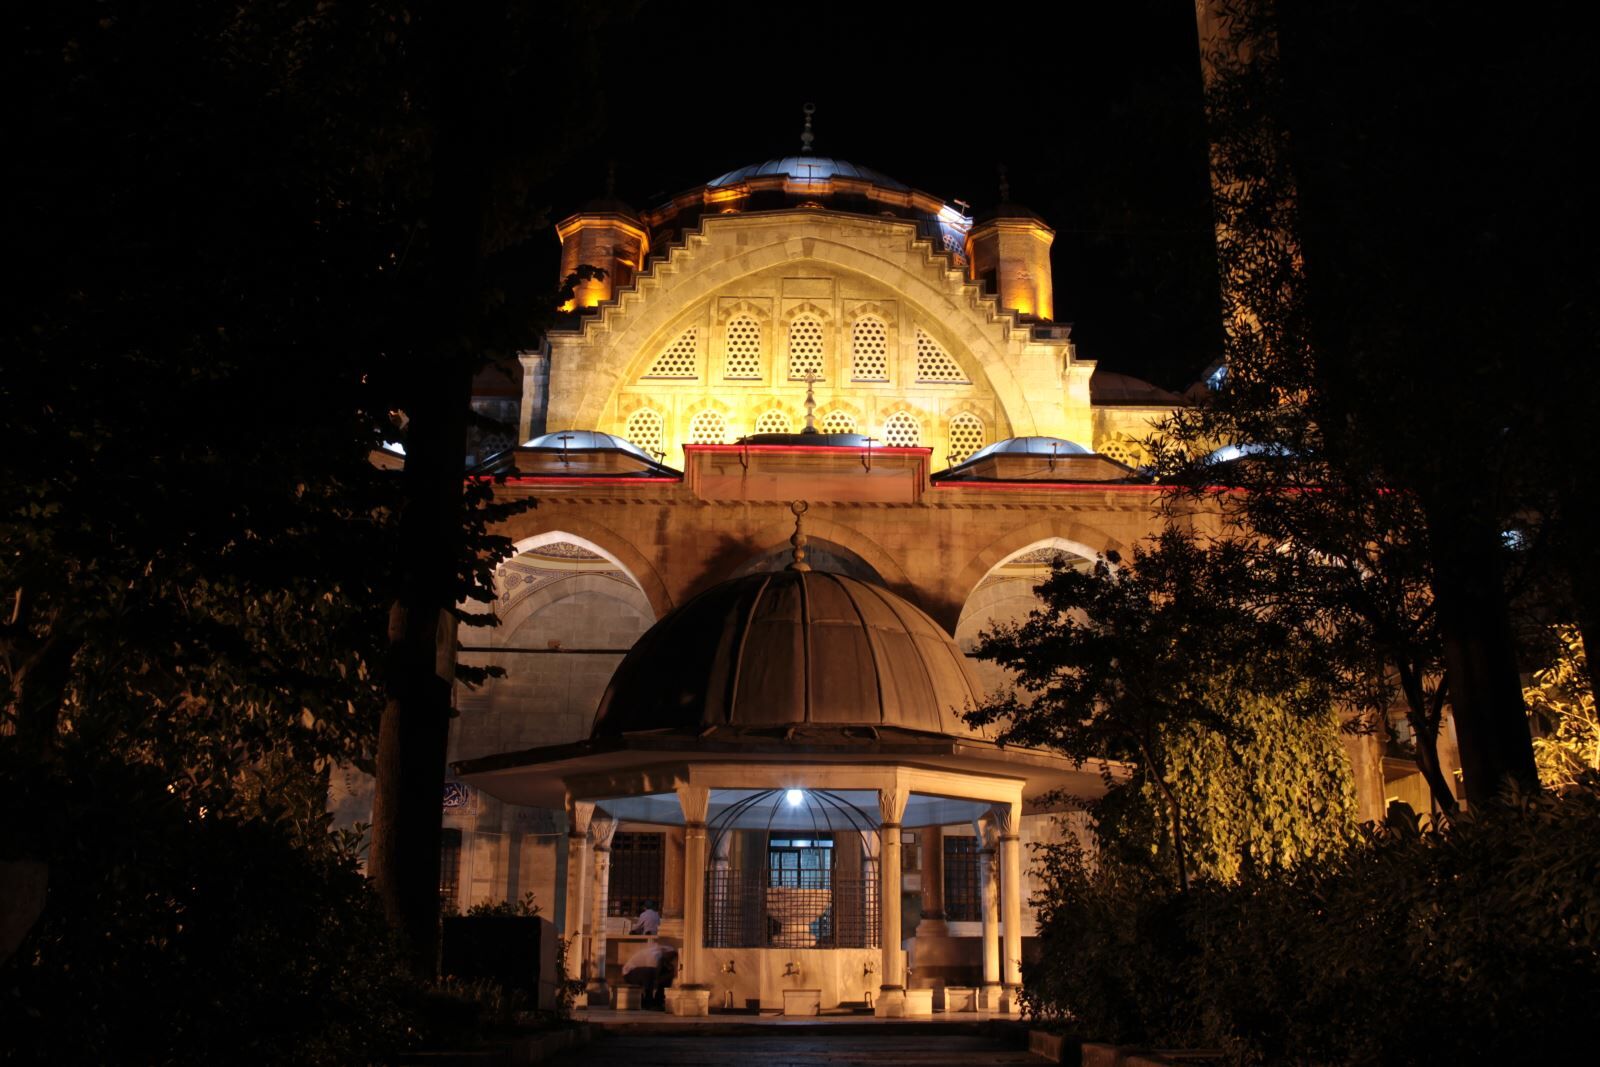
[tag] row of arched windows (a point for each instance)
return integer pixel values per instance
(869, 353)
(902, 429)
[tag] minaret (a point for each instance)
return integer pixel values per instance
(605, 233)
(1008, 252)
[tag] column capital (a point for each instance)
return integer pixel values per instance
(695, 801)
(602, 828)
(892, 805)
(579, 812)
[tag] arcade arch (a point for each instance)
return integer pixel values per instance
(1006, 594)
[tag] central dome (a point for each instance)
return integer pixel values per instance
(795, 648)
(807, 167)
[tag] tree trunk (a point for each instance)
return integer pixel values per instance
(414, 734)
(1425, 721)
(1474, 621)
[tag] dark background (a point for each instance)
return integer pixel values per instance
(1094, 109)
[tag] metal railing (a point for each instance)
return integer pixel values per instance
(745, 909)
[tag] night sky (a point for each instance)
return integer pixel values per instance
(1093, 109)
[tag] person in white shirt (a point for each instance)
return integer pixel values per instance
(649, 920)
(652, 968)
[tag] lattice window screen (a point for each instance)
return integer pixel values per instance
(644, 430)
(744, 348)
(901, 430)
(805, 348)
(838, 422)
(708, 428)
(773, 422)
(934, 364)
(679, 359)
(1122, 450)
(966, 436)
(869, 349)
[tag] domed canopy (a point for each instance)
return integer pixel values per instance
(807, 168)
(577, 440)
(774, 651)
(1031, 446)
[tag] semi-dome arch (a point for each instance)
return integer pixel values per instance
(589, 368)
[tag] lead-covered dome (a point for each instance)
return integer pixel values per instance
(791, 649)
(807, 167)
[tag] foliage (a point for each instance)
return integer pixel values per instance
(1477, 941)
(1273, 794)
(1170, 662)
(524, 908)
(1562, 701)
(567, 988)
(176, 936)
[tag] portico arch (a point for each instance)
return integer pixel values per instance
(530, 530)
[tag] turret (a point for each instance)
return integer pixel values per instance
(1008, 252)
(605, 233)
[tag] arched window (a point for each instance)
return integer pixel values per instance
(805, 348)
(934, 364)
(838, 422)
(773, 422)
(869, 350)
(901, 430)
(644, 430)
(708, 428)
(966, 436)
(679, 359)
(744, 348)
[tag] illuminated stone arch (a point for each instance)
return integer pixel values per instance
(587, 370)
(532, 530)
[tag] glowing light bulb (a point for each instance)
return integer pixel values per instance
(795, 797)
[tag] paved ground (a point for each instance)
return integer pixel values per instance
(798, 1048)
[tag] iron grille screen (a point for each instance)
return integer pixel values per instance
(450, 871)
(636, 863)
(962, 900)
(784, 907)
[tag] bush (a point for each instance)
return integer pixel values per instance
(172, 936)
(1475, 942)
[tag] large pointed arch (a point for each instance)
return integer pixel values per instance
(589, 368)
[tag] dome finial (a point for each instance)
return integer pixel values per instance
(799, 508)
(1005, 185)
(806, 136)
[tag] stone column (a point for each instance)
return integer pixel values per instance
(578, 815)
(601, 828)
(892, 990)
(1009, 820)
(933, 922)
(989, 897)
(693, 995)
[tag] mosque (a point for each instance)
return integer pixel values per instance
(811, 431)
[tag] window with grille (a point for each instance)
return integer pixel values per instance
(934, 364)
(901, 430)
(800, 862)
(450, 871)
(869, 350)
(966, 436)
(679, 359)
(644, 430)
(636, 879)
(838, 422)
(963, 900)
(805, 348)
(744, 348)
(773, 422)
(708, 428)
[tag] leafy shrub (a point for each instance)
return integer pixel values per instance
(171, 936)
(1476, 942)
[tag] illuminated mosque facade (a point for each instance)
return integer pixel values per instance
(810, 432)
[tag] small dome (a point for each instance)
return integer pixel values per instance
(807, 167)
(580, 440)
(1109, 387)
(809, 440)
(1030, 446)
(792, 648)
